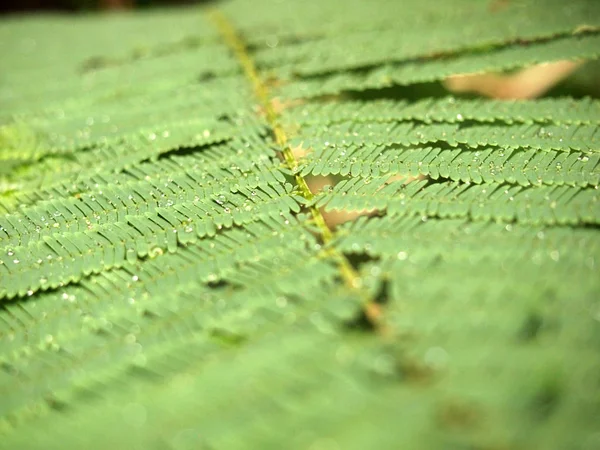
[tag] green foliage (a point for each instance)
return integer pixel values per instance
(166, 282)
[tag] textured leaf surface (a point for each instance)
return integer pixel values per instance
(167, 278)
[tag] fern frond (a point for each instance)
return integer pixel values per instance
(58, 241)
(520, 166)
(501, 202)
(412, 72)
(170, 274)
(449, 109)
(537, 136)
(424, 240)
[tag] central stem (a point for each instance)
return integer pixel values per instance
(349, 274)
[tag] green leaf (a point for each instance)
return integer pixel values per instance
(171, 271)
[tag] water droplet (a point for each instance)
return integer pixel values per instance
(375, 271)
(211, 278)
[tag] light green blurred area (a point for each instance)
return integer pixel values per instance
(163, 286)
